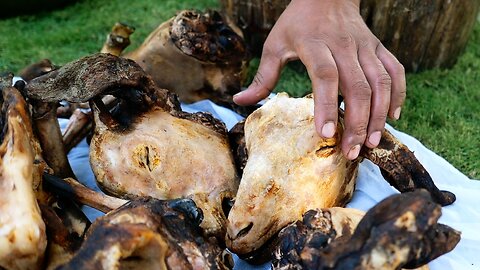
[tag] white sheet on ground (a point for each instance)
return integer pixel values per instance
(463, 215)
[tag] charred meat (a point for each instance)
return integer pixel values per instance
(150, 234)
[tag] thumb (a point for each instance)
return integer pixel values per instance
(264, 81)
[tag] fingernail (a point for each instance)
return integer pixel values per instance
(354, 151)
(237, 94)
(374, 138)
(328, 130)
(396, 113)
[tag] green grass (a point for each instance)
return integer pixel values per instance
(442, 108)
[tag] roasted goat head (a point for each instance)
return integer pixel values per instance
(399, 232)
(291, 170)
(150, 234)
(146, 145)
(196, 55)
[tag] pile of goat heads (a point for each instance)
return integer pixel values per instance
(179, 189)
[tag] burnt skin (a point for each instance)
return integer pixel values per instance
(285, 151)
(400, 231)
(149, 234)
(197, 55)
(402, 170)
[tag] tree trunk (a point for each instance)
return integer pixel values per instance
(422, 34)
(255, 18)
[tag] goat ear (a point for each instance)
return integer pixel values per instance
(238, 146)
(88, 77)
(102, 117)
(402, 170)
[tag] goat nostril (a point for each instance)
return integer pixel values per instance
(244, 231)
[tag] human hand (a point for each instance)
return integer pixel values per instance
(340, 53)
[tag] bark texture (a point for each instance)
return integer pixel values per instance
(421, 34)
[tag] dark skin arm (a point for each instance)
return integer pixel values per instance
(340, 54)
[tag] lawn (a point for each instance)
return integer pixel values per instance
(442, 108)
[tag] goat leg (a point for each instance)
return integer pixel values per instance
(79, 125)
(118, 39)
(400, 231)
(48, 131)
(71, 188)
(402, 169)
(150, 234)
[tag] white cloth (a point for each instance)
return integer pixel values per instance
(463, 215)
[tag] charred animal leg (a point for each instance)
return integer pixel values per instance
(402, 170)
(71, 188)
(118, 39)
(66, 227)
(401, 231)
(48, 131)
(79, 125)
(37, 69)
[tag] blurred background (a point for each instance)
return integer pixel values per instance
(442, 109)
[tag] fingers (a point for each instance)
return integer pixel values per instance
(357, 97)
(397, 73)
(380, 84)
(264, 81)
(323, 74)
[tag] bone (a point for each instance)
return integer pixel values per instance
(48, 131)
(79, 125)
(402, 169)
(72, 189)
(118, 39)
(66, 109)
